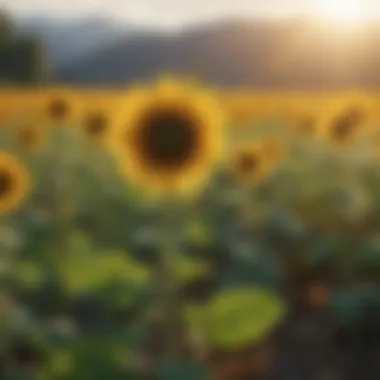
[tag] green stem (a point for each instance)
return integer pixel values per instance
(166, 284)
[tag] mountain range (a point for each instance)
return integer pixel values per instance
(237, 52)
(69, 40)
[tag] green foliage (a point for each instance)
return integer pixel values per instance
(92, 269)
(186, 370)
(187, 269)
(237, 317)
(83, 269)
(90, 359)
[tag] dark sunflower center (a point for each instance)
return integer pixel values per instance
(26, 136)
(6, 183)
(343, 126)
(168, 138)
(355, 115)
(248, 162)
(96, 124)
(58, 109)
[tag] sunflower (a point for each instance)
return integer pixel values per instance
(347, 117)
(95, 125)
(302, 117)
(344, 126)
(249, 163)
(61, 106)
(14, 182)
(30, 137)
(172, 136)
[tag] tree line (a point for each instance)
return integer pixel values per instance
(23, 59)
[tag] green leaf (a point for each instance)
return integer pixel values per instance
(187, 269)
(240, 316)
(93, 272)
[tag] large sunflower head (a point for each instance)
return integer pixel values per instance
(14, 182)
(171, 137)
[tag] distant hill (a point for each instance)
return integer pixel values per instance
(253, 53)
(261, 53)
(69, 40)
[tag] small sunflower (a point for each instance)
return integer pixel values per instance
(348, 117)
(14, 182)
(249, 163)
(171, 137)
(30, 137)
(95, 125)
(303, 117)
(58, 109)
(345, 126)
(61, 106)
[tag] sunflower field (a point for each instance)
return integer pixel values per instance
(176, 231)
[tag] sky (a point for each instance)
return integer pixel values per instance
(175, 12)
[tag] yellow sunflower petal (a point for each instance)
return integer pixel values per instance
(14, 182)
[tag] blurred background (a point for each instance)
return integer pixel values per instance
(278, 44)
(271, 271)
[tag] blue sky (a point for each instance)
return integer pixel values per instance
(171, 12)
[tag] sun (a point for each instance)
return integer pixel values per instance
(342, 11)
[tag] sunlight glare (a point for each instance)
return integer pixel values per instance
(342, 11)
